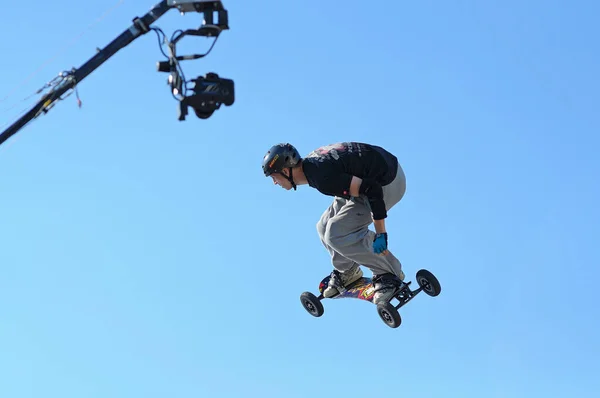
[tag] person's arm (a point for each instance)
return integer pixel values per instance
(374, 193)
(379, 226)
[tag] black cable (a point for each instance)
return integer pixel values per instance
(158, 32)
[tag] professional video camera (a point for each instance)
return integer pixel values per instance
(211, 91)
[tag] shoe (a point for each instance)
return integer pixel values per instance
(339, 280)
(386, 286)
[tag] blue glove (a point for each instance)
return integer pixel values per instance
(380, 243)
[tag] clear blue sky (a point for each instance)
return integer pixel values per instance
(146, 257)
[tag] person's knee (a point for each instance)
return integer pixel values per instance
(335, 234)
(394, 192)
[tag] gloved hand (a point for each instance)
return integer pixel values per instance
(380, 243)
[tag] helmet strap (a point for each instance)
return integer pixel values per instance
(291, 179)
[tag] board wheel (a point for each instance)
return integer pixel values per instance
(428, 282)
(389, 315)
(312, 304)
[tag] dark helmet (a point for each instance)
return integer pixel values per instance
(279, 157)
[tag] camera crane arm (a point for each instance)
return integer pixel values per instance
(140, 26)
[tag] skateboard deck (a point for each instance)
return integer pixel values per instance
(362, 289)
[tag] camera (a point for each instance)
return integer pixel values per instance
(209, 93)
